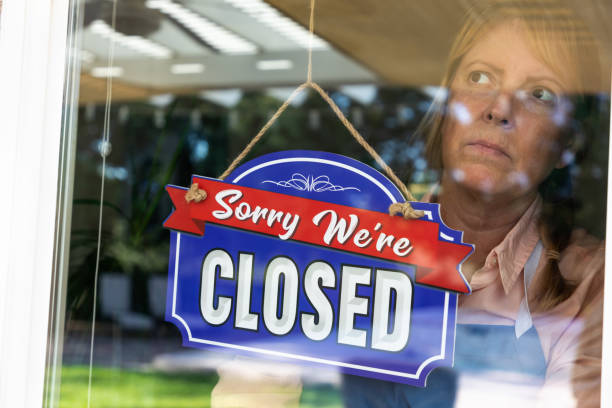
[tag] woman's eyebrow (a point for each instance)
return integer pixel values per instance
(545, 78)
(492, 67)
(530, 79)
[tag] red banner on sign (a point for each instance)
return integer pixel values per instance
(366, 232)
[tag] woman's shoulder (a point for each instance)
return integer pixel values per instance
(581, 240)
(583, 258)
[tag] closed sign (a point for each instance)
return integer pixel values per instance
(295, 256)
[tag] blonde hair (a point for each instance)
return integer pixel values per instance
(566, 46)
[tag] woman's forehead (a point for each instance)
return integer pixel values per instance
(511, 48)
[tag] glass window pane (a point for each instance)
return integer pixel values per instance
(498, 111)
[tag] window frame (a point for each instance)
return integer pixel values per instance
(33, 37)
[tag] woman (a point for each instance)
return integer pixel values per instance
(531, 329)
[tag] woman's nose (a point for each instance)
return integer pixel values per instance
(499, 111)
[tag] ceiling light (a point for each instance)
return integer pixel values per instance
(271, 17)
(283, 93)
(183, 69)
(224, 97)
(105, 72)
(273, 65)
(364, 94)
(134, 42)
(161, 100)
(211, 33)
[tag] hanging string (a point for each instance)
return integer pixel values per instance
(310, 39)
(363, 142)
(405, 209)
(105, 148)
(263, 130)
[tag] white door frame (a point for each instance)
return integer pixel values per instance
(32, 67)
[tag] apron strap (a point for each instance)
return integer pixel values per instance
(523, 320)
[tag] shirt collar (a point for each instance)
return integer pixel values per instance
(510, 255)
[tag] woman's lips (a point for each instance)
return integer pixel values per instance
(489, 148)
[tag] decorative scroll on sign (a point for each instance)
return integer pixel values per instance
(295, 256)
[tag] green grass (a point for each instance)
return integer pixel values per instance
(113, 387)
(121, 388)
(324, 396)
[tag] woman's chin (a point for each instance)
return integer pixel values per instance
(488, 182)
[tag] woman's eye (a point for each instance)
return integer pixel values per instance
(479, 78)
(544, 95)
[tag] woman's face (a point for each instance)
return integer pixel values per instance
(502, 130)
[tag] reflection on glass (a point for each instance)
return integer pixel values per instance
(503, 139)
(516, 137)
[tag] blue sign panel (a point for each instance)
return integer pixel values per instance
(263, 269)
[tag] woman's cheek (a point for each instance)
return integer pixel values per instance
(453, 132)
(543, 154)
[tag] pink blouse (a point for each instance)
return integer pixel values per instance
(571, 332)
